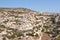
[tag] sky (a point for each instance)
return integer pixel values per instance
(37, 5)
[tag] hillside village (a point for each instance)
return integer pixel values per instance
(26, 24)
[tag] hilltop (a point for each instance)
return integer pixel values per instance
(26, 24)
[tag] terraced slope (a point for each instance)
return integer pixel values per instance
(26, 24)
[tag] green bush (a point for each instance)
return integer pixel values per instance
(57, 39)
(2, 26)
(5, 21)
(46, 27)
(18, 34)
(32, 34)
(58, 23)
(49, 32)
(4, 38)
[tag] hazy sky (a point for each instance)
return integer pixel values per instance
(38, 5)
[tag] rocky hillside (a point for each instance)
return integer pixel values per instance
(26, 24)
